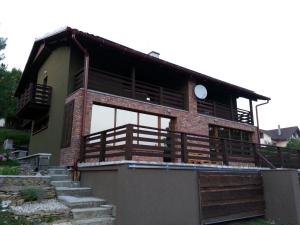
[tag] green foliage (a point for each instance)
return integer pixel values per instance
(9, 163)
(8, 218)
(7, 170)
(32, 194)
(8, 84)
(294, 143)
(19, 137)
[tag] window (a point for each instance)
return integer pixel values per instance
(104, 118)
(40, 125)
(229, 133)
(67, 124)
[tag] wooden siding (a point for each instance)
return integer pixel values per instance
(228, 196)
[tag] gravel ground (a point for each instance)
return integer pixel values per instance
(39, 207)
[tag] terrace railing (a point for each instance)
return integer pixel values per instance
(125, 86)
(224, 111)
(130, 142)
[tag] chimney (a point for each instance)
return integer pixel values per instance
(279, 130)
(154, 54)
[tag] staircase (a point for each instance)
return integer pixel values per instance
(86, 210)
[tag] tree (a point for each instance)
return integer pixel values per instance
(8, 84)
(294, 143)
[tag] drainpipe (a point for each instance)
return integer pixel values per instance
(85, 83)
(257, 121)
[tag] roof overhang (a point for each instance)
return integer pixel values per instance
(52, 40)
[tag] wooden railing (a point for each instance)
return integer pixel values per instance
(35, 93)
(224, 111)
(132, 142)
(125, 86)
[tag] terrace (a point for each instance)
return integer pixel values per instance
(142, 143)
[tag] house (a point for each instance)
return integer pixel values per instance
(76, 84)
(279, 137)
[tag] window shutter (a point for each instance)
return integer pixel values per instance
(67, 124)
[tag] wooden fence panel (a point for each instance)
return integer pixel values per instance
(230, 196)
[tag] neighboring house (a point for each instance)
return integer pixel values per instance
(279, 137)
(75, 83)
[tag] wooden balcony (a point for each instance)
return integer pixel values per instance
(34, 102)
(223, 111)
(129, 142)
(131, 87)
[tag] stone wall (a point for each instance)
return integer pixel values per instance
(184, 120)
(10, 187)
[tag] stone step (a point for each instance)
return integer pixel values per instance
(74, 191)
(63, 183)
(95, 221)
(60, 177)
(81, 202)
(56, 171)
(88, 213)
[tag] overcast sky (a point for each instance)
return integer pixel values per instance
(254, 44)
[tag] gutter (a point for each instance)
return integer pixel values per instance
(257, 121)
(85, 82)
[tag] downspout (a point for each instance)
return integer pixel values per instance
(85, 84)
(257, 121)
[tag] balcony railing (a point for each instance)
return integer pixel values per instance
(133, 142)
(224, 111)
(34, 101)
(126, 86)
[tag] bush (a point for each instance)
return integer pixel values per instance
(294, 144)
(19, 137)
(7, 170)
(9, 162)
(10, 219)
(32, 194)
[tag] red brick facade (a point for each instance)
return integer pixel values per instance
(184, 120)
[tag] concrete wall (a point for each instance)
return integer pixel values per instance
(282, 196)
(148, 196)
(56, 67)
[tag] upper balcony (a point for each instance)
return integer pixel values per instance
(217, 109)
(34, 102)
(133, 87)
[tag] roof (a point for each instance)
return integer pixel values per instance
(66, 33)
(286, 133)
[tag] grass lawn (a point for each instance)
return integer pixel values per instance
(10, 219)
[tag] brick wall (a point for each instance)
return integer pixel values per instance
(186, 121)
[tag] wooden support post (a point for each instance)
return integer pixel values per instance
(251, 112)
(129, 142)
(224, 152)
(280, 156)
(231, 109)
(102, 146)
(172, 146)
(184, 151)
(214, 108)
(133, 82)
(255, 155)
(160, 95)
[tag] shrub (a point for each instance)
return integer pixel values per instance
(7, 170)
(32, 194)
(10, 219)
(9, 163)
(19, 137)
